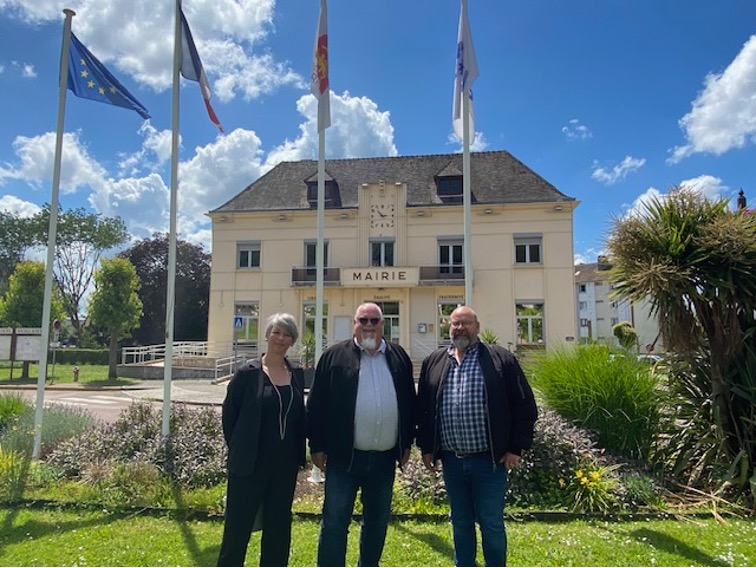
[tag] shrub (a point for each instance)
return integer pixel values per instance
(614, 396)
(11, 407)
(74, 356)
(592, 488)
(194, 455)
(420, 490)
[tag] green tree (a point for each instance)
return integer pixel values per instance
(696, 261)
(82, 238)
(150, 259)
(115, 304)
(16, 236)
(625, 334)
(21, 305)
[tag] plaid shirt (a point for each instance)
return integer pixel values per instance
(463, 420)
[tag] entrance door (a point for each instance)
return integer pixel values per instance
(390, 320)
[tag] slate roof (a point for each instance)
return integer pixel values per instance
(497, 177)
(585, 273)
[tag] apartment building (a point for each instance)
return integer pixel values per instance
(599, 311)
(394, 236)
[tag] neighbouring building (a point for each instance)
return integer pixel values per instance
(394, 235)
(599, 311)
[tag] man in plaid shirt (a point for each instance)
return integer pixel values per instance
(476, 414)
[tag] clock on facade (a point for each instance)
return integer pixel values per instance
(382, 215)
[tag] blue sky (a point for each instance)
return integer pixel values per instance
(612, 101)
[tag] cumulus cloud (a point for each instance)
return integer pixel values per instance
(618, 172)
(723, 116)
(13, 204)
(709, 186)
(359, 129)
(227, 32)
(576, 131)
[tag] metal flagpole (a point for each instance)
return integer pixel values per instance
(320, 246)
(52, 234)
(170, 299)
(466, 195)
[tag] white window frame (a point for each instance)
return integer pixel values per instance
(249, 248)
(382, 243)
(524, 246)
(530, 320)
(452, 243)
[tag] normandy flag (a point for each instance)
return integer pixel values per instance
(89, 79)
(320, 87)
(465, 74)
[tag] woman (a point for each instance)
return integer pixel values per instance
(263, 423)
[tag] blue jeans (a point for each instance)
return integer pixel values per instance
(373, 472)
(477, 492)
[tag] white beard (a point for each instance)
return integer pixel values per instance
(369, 343)
(461, 342)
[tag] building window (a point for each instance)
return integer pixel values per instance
(248, 255)
(444, 321)
(583, 306)
(249, 312)
(529, 323)
(450, 259)
(331, 196)
(449, 188)
(309, 320)
(614, 321)
(582, 287)
(309, 254)
(528, 249)
(382, 253)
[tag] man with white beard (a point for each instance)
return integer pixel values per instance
(476, 414)
(360, 423)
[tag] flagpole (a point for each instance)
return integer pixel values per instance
(319, 251)
(170, 299)
(466, 192)
(52, 235)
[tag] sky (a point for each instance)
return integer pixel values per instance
(611, 101)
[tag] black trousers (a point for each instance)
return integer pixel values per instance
(271, 488)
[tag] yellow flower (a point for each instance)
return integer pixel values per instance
(596, 475)
(579, 473)
(584, 480)
(561, 483)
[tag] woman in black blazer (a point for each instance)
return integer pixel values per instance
(263, 423)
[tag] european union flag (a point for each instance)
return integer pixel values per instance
(88, 79)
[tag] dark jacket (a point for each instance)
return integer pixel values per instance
(333, 397)
(242, 410)
(511, 406)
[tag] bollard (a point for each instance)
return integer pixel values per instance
(76, 374)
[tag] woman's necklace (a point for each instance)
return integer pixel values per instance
(283, 417)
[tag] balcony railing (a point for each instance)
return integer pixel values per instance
(434, 275)
(306, 276)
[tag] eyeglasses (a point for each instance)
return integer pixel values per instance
(373, 321)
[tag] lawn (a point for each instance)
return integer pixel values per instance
(62, 373)
(68, 537)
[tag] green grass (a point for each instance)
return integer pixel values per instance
(68, 537)
(93, 375)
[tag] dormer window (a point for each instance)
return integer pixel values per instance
(332, 196)
(449, 187)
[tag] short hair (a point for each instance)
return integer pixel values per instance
(287, 322)
(365, 305)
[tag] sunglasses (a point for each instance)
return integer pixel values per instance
(373, 321)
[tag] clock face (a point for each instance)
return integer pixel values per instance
(382, 215)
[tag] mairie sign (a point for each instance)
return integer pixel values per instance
(380, 276)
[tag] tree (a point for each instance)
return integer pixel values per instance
(696, 261)
(150, 259)
(115, 304)
(81, 239)
(16, 236)
(625, 334)
(22, 303)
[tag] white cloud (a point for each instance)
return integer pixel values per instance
(78, 168)
(709, 186)
(576, 131)
(618, 172)
(227, 33)
(723, 116)
(358, 130)
(13, 204)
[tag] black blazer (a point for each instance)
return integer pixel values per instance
(242, 411)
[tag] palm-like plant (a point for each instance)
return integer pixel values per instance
(696, 262)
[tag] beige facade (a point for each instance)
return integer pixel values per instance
(385, 245)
